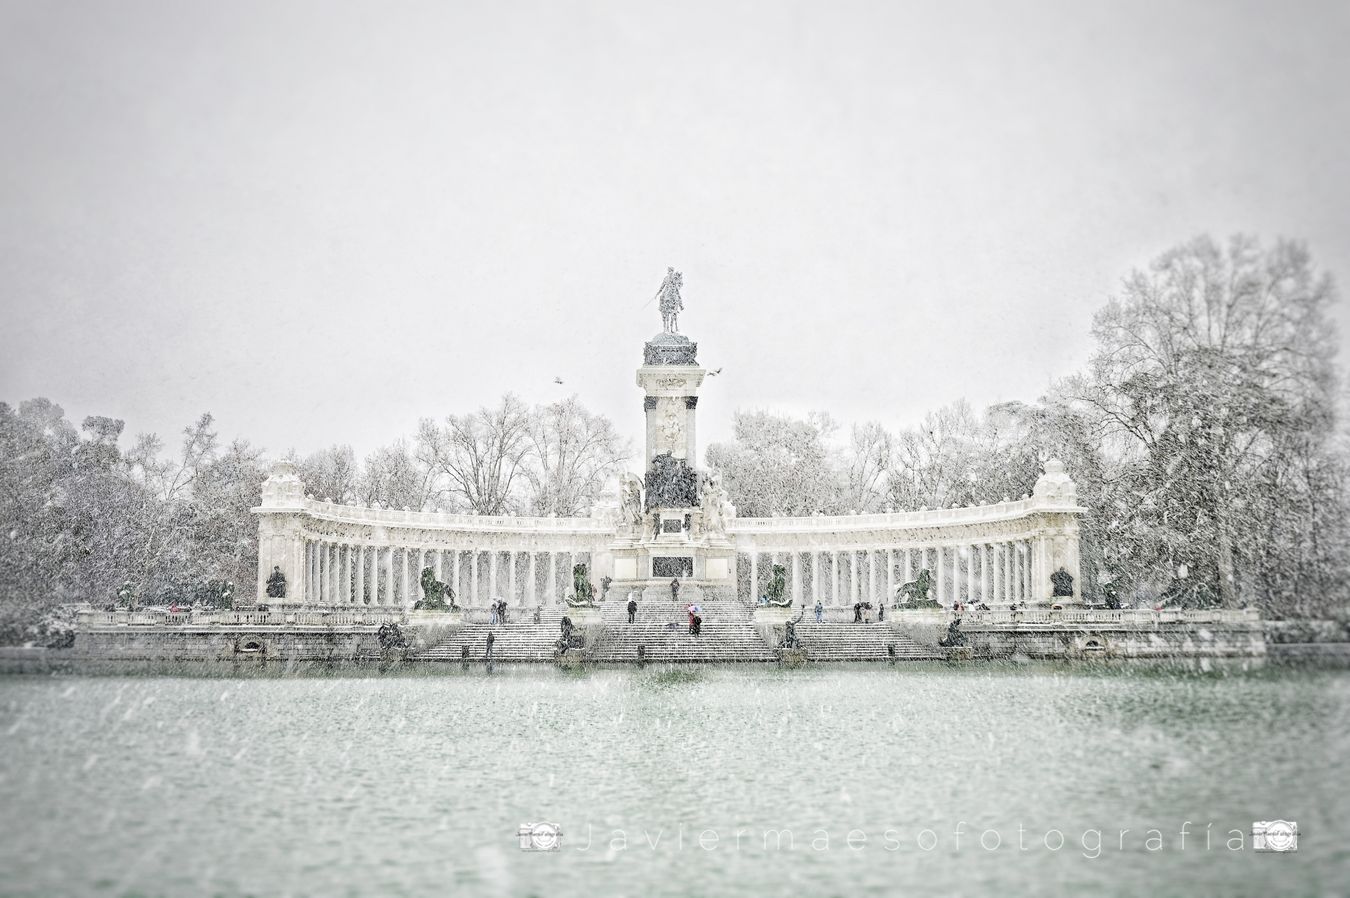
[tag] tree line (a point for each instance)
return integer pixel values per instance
(83, 515)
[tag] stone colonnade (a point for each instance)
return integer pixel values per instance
(340, 572)
(334, 554)
(996, 573)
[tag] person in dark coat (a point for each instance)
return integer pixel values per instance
(632, 608)
(857, 612)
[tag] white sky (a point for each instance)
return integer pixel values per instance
(321, 224)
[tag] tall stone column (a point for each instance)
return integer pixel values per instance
(553, 576)
(815, 577)
(534, 580)
(941, 580)
(345, 574)
(754, 576)
(987, 575)
(511, 579)
(890, 577)
(473, 577)
(373, 574)
(326, 573)
(871, 576)
(359, 576)
(970, 573)
(834, 579)
(440, 565)
(796, 578)
(909, 570)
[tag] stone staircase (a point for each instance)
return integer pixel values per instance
(838, 641)
(520, 639)
(662, 628)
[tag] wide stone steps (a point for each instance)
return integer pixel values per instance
(514, 642)
(832, 641)
(615, 612)
(721, 641)
(662, 629)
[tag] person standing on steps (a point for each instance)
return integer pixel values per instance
(491, 638)
(492, 614)
(820, 611)
(632, 607)
(881, 612)
(675, 590)
(857, 612)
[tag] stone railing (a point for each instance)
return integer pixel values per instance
(900, 520)
(1141, 617)
(360, 514)
(339, 617)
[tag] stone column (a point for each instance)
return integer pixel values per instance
(815, 577)
(534, 581)
(999, 575)
(970, 573)
(353, 578)
(909, 575)
(937, 571)
(440, 565)
(345, 574)
(322, 597)
(373, 575)
(834, 579)
(890, 576)
(796, 578)
(871, 576)
(407, 578)
(359, 575)
(553, 576)
(492, 575)
(473, 578)
(754, 576)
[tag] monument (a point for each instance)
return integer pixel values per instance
(668, 521)
(673, 518)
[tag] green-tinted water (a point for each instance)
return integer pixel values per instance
(415, 785)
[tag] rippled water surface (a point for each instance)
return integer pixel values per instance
(667, 782)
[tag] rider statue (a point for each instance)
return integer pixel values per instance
(670, 302)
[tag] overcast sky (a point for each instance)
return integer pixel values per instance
(324, 221)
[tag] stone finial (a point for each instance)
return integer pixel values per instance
(283, 487)
(1055, 485)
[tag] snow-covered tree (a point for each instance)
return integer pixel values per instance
(779, 466)
(573, 455)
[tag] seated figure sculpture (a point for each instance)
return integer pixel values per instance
(954, 637)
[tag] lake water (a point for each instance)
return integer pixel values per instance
(668, 782)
